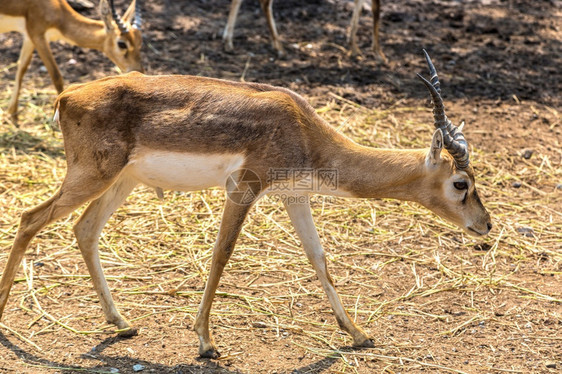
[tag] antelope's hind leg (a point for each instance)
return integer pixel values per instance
(376, 45)
(88, 230)
(77, 189)
(23, 63)
(267, 8)
(231, 224)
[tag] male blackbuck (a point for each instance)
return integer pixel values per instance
(43, 21)
(190, 133)
(267, 5)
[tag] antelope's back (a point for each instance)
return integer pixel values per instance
(187, 113)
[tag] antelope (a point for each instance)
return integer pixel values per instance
(267, 5)
(43, 21)
(190, 133)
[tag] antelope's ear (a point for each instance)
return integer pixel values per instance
(130, 13)
(105, 13)
(434, 154)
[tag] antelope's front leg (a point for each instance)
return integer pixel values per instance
(352, 36)
(301, 217)
(229, 28)
(231, 224)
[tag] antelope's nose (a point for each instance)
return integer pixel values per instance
(139, 68)
(489, 226)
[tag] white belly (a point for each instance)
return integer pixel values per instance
(9, 23)
(182, 171)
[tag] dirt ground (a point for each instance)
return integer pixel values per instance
(432, 298)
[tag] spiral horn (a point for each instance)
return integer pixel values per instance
(453, 138)
(123, 27)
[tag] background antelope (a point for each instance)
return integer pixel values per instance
(41, 22)
(190, 133)
(267, 5)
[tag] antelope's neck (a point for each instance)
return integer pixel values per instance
(80, 30)
(380, 173)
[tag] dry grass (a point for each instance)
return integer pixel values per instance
(433, 298)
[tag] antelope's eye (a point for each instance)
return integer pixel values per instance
(460, 185)
(121, 44)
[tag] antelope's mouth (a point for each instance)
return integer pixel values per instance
(475, 232)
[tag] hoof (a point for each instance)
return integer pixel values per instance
(355, 52)
(367, 343)
(128, 332)
(228, 47)
(14, 119)
(211, 353)
(380, 58)
(279, 51)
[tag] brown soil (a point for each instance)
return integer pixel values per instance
(433, 299)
